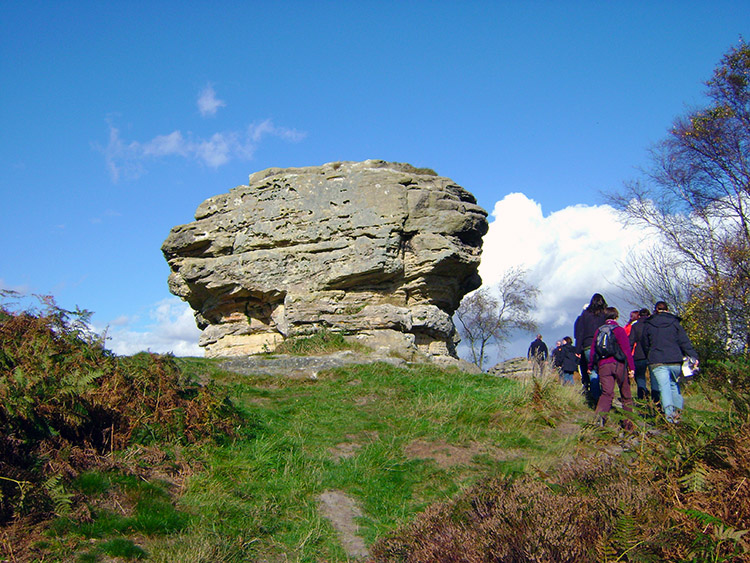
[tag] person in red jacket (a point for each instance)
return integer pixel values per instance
(634, 316)
(613, 370)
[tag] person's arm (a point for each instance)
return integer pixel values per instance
(635, 336)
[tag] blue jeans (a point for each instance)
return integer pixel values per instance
(567, 378)
(594, 388)
(671, 398)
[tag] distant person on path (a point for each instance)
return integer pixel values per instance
(538, 354)
(639, 358)
(538, 349)
(583, 330)
(612, 369)
(666, 343)
(569, 361)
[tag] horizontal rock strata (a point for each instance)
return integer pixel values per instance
(382, 252)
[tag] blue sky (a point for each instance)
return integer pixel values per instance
(119, 119)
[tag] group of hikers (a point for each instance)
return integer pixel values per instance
(609, 355)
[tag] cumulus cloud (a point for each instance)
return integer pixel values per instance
(170, 328)
(569, 255)
(128, 159)
(208, 103)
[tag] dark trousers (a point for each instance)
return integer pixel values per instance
(611, 374)
(584, 367)
(640, 378)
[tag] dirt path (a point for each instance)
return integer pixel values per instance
(341, 510)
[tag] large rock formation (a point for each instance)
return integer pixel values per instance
(380, 251)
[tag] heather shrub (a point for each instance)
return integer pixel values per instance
(522, 519)
(681, 494)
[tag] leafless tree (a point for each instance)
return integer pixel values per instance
(655, 274)
(696, 199)
(491, 315)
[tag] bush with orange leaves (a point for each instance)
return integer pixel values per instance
(67, 404)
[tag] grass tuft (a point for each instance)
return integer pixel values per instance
(322, 342)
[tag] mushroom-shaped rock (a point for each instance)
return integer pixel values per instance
(380, 251)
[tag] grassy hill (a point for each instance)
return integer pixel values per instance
(165, 459)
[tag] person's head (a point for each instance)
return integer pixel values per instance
(644, 313)
(538, 336)
(558, 343)
(610, 313)
(661, 307)
(597, 304)
(568, 340)
(634, 316)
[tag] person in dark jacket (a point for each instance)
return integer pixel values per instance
(538, 355)
(613, 371)
(639, 358)
(568, 361)
(538, 349)
(585, 325)
(665, 344)
(556, 357)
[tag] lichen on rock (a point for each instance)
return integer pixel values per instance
(382, 252)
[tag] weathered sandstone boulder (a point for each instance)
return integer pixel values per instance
(380, 251)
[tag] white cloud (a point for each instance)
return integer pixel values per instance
(166, 145)
(171, 329)
(569, 255)
(127, 159)
(257, 132)
(208, 104)
(217, 150)
(122, 160)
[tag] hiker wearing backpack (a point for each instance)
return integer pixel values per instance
(586, 324)
(666, 343)
(611, 355)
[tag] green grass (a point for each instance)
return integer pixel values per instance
(165, 459)
(119, 505)
(396, 440)
(257, 498)
(321, 342)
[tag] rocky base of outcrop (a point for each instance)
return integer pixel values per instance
(519, 368)
(309, 366)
